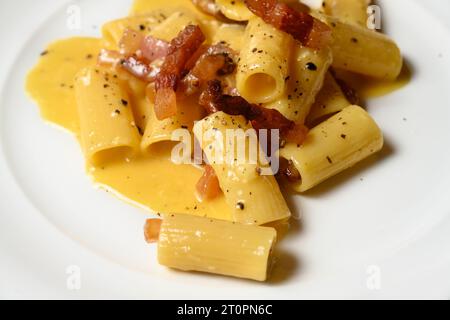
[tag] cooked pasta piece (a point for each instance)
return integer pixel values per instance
(334, 146)
(200, 244)
(235, 10)
(178, 20)
(232, 35)
(185, 97)
(363, 51)
(136, 89)
(188, 112)
(106, 121)
(349, 11)
(173, 25)
(330, 100)
(292, 19)
(254, 198)
(308, 69)
(166, 9)
(113, 31)
(263, 68)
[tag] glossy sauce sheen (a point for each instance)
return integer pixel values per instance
(152, 182)
(372, 88)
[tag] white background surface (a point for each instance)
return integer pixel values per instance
(397, 218)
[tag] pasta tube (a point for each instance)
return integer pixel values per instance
(113, 31)
(348, 11)
(136, 89)
(309, 68)
(334, 146)
(191, 243)
(330, 100)
(173, 25)
(188, 112)
(253, 198)
(106, 121)
(232, 35)
(235, 9)
(167, 8)
(264, 62)
(363, 51)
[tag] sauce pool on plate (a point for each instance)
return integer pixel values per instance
(152, 182)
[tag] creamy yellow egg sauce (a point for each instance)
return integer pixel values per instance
(372, 88)
(153, 182)
(51, 82)
(150, 181)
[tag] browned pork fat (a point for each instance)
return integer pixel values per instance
(218, 60)
(153, 49)
(211, 62)
(302, 26)
(181, 49)
(213, 100)
(138, 68)
(289, 171)
(208, 186)
(152, 229)
(130, 42)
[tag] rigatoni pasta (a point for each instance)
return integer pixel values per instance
(231, 34)
(304, 81)
(329, 100)
(334, 146)
(106, 120)
(162, 130)
(363, 51)
(255, 199)
(178, 20)
(264, 62)
(208, 108)
(348, 11)
(207, 245)
(170, 27)
(235, 10)
(113, 31)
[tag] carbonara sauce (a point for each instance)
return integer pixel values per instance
(153, 182)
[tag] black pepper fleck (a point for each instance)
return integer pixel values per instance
(311, 66)
(240, 206)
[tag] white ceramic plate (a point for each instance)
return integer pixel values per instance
(380, 230)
